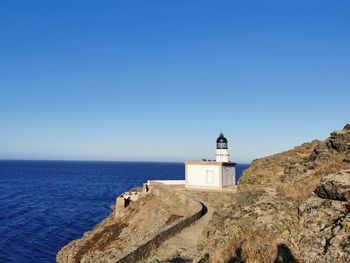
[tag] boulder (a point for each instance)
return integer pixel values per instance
(335, 186)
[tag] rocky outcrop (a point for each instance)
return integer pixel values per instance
(134, 230)
(292, 206)
(335, 186)
(324, 230)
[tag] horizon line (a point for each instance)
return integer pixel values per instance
(116, 161)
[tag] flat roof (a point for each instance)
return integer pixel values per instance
(210, 163)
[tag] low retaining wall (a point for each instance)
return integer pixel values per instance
(167, 182)
(144, 249)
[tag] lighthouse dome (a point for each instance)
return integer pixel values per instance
(221, 138)
(221, 142)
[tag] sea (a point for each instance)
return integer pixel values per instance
(46, 204)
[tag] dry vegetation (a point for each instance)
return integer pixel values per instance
(296, 183)
(139, 221)
(300, 190)
(101, 240)
(250, 245)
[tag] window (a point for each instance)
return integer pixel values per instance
(221, 145)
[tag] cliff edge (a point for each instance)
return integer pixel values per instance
(290, 207)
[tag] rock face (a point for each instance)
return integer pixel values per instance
(335, 186)
(325, 221)
(290, 207)
(324, 230)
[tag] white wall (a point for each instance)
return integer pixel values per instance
(168, 182)
(222, 155)
(197, 175)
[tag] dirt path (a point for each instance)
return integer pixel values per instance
(183, 247)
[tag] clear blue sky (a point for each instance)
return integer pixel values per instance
(158, 80)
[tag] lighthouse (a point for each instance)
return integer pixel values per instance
(212, 174)
(222, 154)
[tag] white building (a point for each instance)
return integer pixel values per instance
(212, 174)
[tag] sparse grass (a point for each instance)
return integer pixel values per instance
(101, 240)
(254, 245)
(346, 224)
(300, 190)
(250, 246)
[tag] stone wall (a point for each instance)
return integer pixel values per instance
(144, 249)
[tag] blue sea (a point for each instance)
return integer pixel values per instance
(46, 204)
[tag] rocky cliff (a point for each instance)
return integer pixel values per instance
(290, 207)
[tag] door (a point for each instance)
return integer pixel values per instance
(210, 176)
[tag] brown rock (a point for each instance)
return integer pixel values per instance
(335, 186)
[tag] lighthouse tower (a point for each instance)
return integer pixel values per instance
(222, 154)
